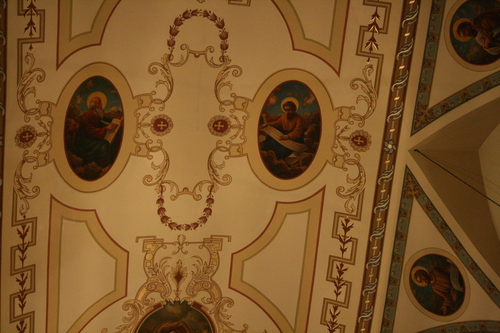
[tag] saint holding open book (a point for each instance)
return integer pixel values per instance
(95, 135)
(93, 132)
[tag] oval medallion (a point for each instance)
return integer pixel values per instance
(289, 130)
(93, 129)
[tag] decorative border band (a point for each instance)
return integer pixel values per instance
(469, 326)
(392, 131)
(424, 115)
(413, 191)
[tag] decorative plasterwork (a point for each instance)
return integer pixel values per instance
(230, 104)
(68, 44)
(413, 193)
(424, 116)
(35, 137)
(331, 54)
(358, 140)
(152, 121)
(180, 271)
(313, 206)
(387, 162)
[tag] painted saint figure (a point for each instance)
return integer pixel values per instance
(445, 282)
(439, 280)
(90, 141)
(291, 129)
(485, 29)
(93, 131)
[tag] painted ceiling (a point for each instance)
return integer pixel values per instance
(250, 166)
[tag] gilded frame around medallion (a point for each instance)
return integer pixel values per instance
(323, 153)
(58, 154)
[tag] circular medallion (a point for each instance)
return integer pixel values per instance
(25, 136)
(161, 125)
(219, 125)
(470, 34)
(360, 140)
(437, 284)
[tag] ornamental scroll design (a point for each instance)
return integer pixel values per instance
(408, 26)
(232, 125)
(180, 271)
(359, 140)
(35, 136)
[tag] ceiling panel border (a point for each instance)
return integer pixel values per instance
(423, 114)
(413, 192)
(387, 162)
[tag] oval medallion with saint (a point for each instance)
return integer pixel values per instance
(289, 129)
(93, 129)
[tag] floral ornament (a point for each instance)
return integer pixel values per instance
(389, 147)
(161, 125)
(25, 136)
(32, 12)
(360, 140)
(219, 125)
(167, 220)
(189, 13)
(374, 28)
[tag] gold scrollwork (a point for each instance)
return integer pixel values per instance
(155, 101)
(169, 280)
(341, 153)
(40, 116)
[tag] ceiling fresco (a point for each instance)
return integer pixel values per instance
(250, 166)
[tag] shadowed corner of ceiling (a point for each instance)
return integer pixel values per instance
(460, 161)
